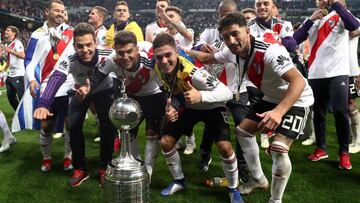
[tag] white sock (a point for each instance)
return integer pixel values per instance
(230, 169)
(309, 127)
(173, 161)
(190, 139)
(45, 144)
(68, 151)
(135, 151)
(250, 150)
(5, 128)
(151, 152)
(281, 169)
(355, 126)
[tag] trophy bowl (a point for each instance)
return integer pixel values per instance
(125, 112)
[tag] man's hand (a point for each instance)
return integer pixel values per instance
(318, 14)
(42, 113)
(82, 90)
(171, 113)
(207, 48)
(161, 12)
(192, 96)
(270, 121)
(33, 87)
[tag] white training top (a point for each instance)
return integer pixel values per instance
(279, 29)
(329, 45)
(267, 63)
(152, 30)
(100, 35)
(16, 65)
(183, 43)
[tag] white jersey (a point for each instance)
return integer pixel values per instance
(354, 64)
(39, 61)
(71, 65)
(16, 65)
(152, 30)
(227, 73)
(100, 35)
(279, 29)
(267, 63)
(329, 45)
(183, 43)
(141, 82)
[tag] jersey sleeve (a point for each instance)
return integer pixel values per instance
(287, 30)
(19, 47)
(65, 63)
(107, 66)
(278, 58)
(225, 56)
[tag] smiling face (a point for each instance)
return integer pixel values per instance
(127, 56)
(85, 47)
(166, 58)
(10, 35)
(121, 13)
(236, 38)
(55, 15)
(264, 9)
(95, 17)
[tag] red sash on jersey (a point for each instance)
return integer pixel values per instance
(11, 46)
(66, 36)
(141, 78)
(256, 69)
(323, 33)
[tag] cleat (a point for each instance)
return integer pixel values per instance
(102, 173)
(46, 165)
(318, 155)
(235, 196)
(78, 177)
(354, 148)
(204, 164)
(264, 139)
(67, 166)
(244, 175)
(97, 139)
(248, 187)
(344, 161)
(190, 148)
(308, 142)
(57, 135)
(175, 186)
(5, 146)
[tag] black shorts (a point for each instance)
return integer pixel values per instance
(292, 123)
(216, 120)
(353, 90)
(153, 108)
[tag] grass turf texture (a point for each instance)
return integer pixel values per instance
(22, 181)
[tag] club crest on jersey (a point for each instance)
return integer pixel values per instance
(331, 23)
(65, 38)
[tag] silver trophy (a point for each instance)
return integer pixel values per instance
(126, 178)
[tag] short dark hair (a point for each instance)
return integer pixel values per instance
(232, 19)
(102, 11)
(122, 3)
(125, 37)
(49, 3)
(14, 30)
(175, 9)
(83, 29)
(167, 1)
(163, 39)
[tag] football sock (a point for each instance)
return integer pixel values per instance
(45, 144)
(5, 128)
(68, 152)
(355, 126)
(151, 152)
(230, 169)
(173, 161)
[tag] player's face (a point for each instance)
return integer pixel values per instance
(163, 5)
(225, 10)
(10, 35)
(249, 16)
(127, 56)
(236, 38)
(264, 9)
(85, 47)
(322, 4)
(121, 13)
(94, 17)
(56, 14)
(175, 17)
(166, 58)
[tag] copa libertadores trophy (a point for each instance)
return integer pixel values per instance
(126, 179)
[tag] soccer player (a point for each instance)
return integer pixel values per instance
(193, 95)
(9, 139)
(228, 73)
(158, 26)
(134, 66)
(248, 13)
(82, 66)
(329, 73)
(122, 15)
(96, 19)
(16, 70)
(46, 46)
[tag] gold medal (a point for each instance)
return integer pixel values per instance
(325, 12)
(56, 56)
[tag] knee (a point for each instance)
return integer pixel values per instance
(225, 149)
(166, 144)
